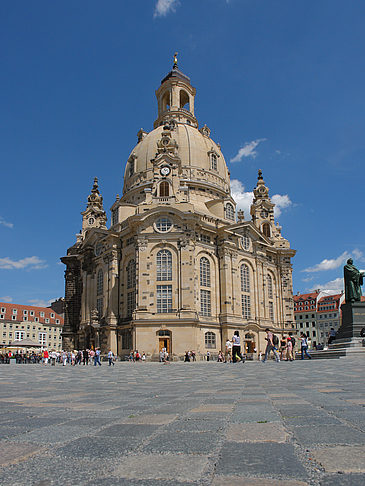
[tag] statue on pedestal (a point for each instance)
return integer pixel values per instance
(353, 281)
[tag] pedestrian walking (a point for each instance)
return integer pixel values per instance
(272, 342)
(304, 346)
(236, 347)
(97, 357)
(111, 357)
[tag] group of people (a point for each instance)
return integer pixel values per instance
(136, 356)
(286, 347)
(191, 356)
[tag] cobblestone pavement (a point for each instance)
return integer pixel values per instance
(287, 424)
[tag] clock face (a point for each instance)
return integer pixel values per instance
(165, 171)
(264, 214)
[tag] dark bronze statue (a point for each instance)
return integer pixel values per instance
(353, 281)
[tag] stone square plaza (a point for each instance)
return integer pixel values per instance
(205, 423)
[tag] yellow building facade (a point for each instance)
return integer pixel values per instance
(177, 268)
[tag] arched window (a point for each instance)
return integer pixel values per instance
(164, 265)
(245, 278)
(204, 272)
(269, 287)
(266, 229)
(166, 101)
(100, 282)
(213, 162)
(131, 274)
(229, 211)
(184, 100)
(210, 340)
(164, 189)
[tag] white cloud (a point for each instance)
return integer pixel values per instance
(32, 262)
(248, 150)
(41, 302)
(164, 7)
(333, 263)
(244, 199)
(6, 223)
(6, 298)
(332, 287)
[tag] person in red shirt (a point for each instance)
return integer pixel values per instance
(45, 356)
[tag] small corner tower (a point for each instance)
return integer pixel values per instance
(262, 209)
(175, 98)
(94, 215)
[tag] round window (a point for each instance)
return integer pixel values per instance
(91, 220)
(163, 225)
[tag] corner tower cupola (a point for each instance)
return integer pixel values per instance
(262, 209)
(94, 215)
(175, 98)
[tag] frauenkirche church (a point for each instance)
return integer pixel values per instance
(177, 268)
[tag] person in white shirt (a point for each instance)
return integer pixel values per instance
(236, 347)
(111, 357)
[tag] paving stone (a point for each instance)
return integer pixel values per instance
(137, 482)
(343, 480)
(186, 442)
(196, 425)
(257, 432)
(237, 481)
(151, 419)
(348, 459)
(11, 452)
(314, 420)
(181, 467)
(211, 407)
(134, 431)
(277, 460)
(97, 446)
(328, 434)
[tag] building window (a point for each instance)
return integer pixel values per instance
(25, 318)
(163, 225)
(25, 312)
(164, 189)
(230, 211)
(266, 229)
(126, 336)
(131, 167)
(269, 287)
(271, 311)
(100, 306)
(19, 335)
(36, 319)
(246, 242)
(42, 338)
(13, 318)
(205, 303)
(114, 216)
(57, 321)
(204, 272)
(52, 315)
(205, 238)
(100, 282)
(164, 265)
(246, 306)
(131, 302)
(213, 162)
(131, 274)
(41, 314)
(47, 320)
(164, 299)
(245, 278)
(210, 340)
(15, 311)
(3, 309)
(31, 313)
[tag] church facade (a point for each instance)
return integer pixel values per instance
(177, 267)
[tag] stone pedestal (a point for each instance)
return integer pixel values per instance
(348, 336)
(353, 320)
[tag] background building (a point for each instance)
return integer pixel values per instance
(176, 269)
(40, 324)
(315, 314)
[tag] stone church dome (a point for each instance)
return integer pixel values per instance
(177, 150)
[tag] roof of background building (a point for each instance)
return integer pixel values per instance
(47, 311)
(303, 297)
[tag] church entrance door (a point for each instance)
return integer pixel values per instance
(164, 343)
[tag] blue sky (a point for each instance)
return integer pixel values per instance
(280, 83)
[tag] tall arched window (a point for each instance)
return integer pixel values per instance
(164, 265)
(131, 274)
(245, 278)
(184, 100)
(266, 229)
(204, 272)
(269, 286)
(100, 282)
(229, 211)
(213, 162)
(164, 189)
